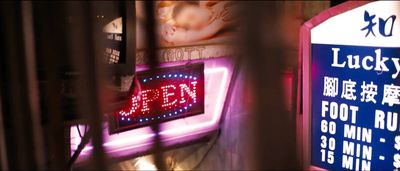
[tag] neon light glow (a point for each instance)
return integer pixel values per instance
(179, 94)
(217, 75)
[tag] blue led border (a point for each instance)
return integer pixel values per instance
(169, 76)
(173, 113)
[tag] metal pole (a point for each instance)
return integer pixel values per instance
(33, 83)
(272, 130)
(152, 61)
(16, 111)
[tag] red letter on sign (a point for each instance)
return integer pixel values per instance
(148, 96)
(132, 109)
(191, 93)
(166, 101)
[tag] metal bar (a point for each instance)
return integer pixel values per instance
(50, 50)
(14, 87)
(152, 43)
(94, 81)
(84, 141)
(86, 42)
(263, 56)
(33, 83)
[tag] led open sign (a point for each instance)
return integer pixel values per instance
(166, 94)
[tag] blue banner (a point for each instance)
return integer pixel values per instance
(355, 106)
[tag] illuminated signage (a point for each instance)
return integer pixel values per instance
(352, 87)
(218, 73)
(166, 94)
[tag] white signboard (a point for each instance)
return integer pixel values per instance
(352, 87)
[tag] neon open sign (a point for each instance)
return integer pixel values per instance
(166, 94)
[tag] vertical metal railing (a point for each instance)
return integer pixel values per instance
(33, 84)
(16, 106)
(272, 130)
(259, 44)
(50, 37)
(151, 49)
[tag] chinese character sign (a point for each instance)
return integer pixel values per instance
(351, 80)
(355, 107)
(383, 25)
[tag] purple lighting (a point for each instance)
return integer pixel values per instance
(217, 76)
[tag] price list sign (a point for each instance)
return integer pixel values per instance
(355, 122)
(355, 89)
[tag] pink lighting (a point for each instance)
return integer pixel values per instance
(166, 94)
(217, 74)
(223, 73)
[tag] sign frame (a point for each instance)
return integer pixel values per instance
(304, 93)
(220, 71)
(115, 128)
